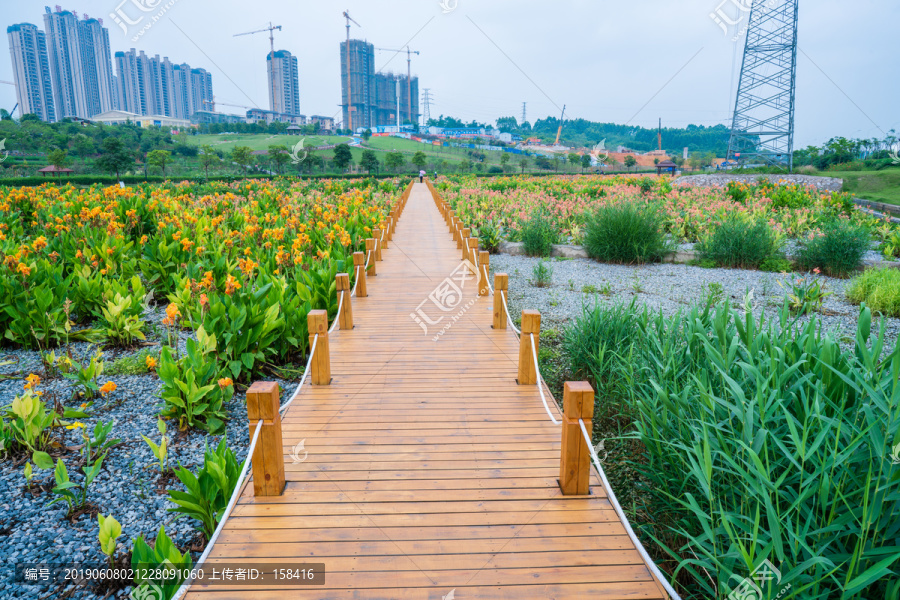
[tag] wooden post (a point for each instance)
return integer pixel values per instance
(268, 457)
(484, 264)
(359, 266)
(531, 324)
(501, 283)
(378, 244)
(345, 317)
(321, 362)
(370, 256)
(575, 458)
(473, 250)
(463, 234)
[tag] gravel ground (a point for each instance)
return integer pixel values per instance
(666, 287)
(126, 486)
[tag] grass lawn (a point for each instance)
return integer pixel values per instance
(878, 186)
(261, 141)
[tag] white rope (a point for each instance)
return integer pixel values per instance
(234, 497)
(508, 317)
(611, 496)
(540, 381)
(337, 317)
(368, 258)
(312, 353)
(356, 283)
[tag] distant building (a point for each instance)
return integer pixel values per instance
(153, 86)
(80, 65)
(119, 117)
(209, 117)
(324, 123)
(31, 71)
(284, 83)
(254, 115)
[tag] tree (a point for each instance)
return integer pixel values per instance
(342, 156)
(420, 159)
(159, 159)
(58, 158)
(504, 159)
(394, 161)
(279, 155)
(630, 161)
(523, 162)
(585, 162)
(242, 156)
(369, 161)
(367, 134)
(574, 160)
(115, 157)
(208, 158)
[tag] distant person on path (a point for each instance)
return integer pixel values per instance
(422, 176)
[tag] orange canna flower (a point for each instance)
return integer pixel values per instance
(172, 312)
(224, 383)
(108, 388)
(32, 381)
(151, 363)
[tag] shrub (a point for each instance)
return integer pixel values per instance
(739, 244)
(837, 252)
(628, 233)
(775, 264)
(542, 275)
(538, 235)
(879, 289)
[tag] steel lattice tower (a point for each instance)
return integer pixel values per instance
(763, 126)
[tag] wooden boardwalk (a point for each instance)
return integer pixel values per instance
(430, 470)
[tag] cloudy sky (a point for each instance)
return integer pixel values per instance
(606, 60)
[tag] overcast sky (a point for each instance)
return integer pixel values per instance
(606, 60)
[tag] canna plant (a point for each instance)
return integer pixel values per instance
(207, 493)
(150, 559)
(29, 422)
(160, 451)
(120, 327)
(73, 494)
(109, 532)
(192, 392)
(88, 377)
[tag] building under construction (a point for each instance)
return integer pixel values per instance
(373, 96)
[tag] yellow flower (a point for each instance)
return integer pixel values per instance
(76, 425)
(151, 363)
(108, 388)
(33, 380)
(172, 312)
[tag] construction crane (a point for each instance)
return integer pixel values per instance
(271, 29)
(559, 131)
(349, 94)
(7, 82)
(409, 54)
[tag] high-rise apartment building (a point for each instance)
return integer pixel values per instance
(153, 86)
(373, 97)
(31, 71)
(284, 83)
(80, 65)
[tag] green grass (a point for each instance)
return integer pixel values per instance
(877, 186)
(131, 365)
(879, 289)
(261, 141)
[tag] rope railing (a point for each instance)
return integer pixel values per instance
(231, 502)
(337, 317)
(540, 382)
(611, 496)
(312, 353)
(355, 283)
(508, 316)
